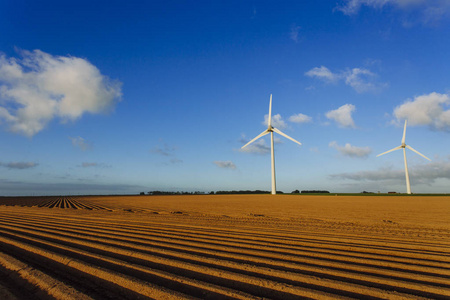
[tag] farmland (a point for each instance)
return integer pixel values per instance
(225, 247)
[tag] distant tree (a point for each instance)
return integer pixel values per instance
(315, 192)
(296, 192)
(242, 192)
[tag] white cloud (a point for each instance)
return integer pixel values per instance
(351, 151)
(19, 165)
(343, 116)
(351, 7)
(428, 109)
(436, 12)
(323, 73)
(294, 33)
(429, 11)
(40, 87)
(80, 143)
(277, 121)
(225, 164)
(300, 118)
(361, 80)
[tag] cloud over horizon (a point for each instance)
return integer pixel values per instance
(420, 174)
(343, 116)
(19, 165)
(384, 173)
(26, 188)
(40, 87)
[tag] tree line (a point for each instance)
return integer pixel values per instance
(157, 193)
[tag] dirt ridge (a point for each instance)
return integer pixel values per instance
(92, 253)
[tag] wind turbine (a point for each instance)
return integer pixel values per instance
(270, 129)
(403, 146)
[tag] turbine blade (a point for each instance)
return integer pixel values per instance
(286, 136)
(411, 148)
(404, 133)
(396, 148)
(269, 123)
(257, 137)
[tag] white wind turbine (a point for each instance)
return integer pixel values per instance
(270, 129)
(403, 145)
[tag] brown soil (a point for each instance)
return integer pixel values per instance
(225, 247)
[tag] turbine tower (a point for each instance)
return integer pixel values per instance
(270, 129)
(403, 146)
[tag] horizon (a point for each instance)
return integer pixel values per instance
(230, 192)
(120, 98)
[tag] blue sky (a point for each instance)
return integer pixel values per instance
(116, 97)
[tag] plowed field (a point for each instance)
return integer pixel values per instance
(225, 247)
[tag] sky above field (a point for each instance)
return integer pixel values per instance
(118, 97)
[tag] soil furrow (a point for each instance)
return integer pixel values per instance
(363, 282)
(316, 250)
(187, 247)
(306, 259)
(226, 279)
(334, 243)
(106, 234)
(37, 282)
(261, 252)
(69, 202)
(96, 277)
(185, 285)
(291, 248)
